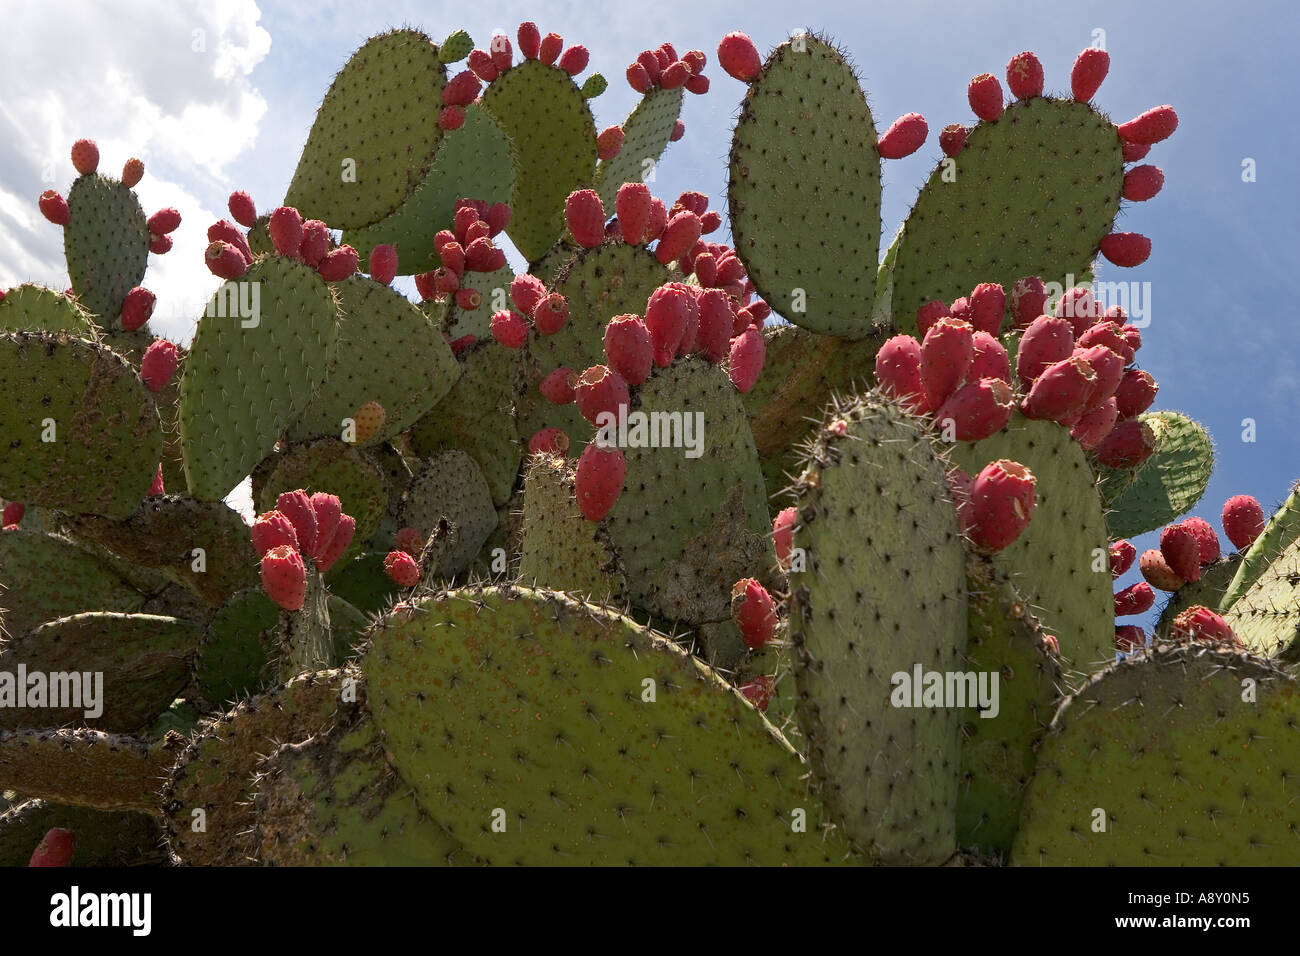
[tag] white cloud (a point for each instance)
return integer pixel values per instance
(172, 87)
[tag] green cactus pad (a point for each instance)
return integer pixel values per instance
(801, 372)
(1281, 532)
(165, 532)
(997, 752)
(687, 529)
(494, 287)
(1191, 753)
(243, 386)
(1059, 563)
(1033, 195)
(215, 771)
(144, 661)
(85, 768)
(804, 190)
(477, 416)
(473, 162)
(234, 659)
(334, 801)
(553, 141)
(560, 549)
(331, 466)
(106, 244)
(883, 592)
(534, 703)
(1208, 592)
(48, 577)
(1166, 485)
(362, 583)
(1267, 616)
(451, 485)
(645, 137)
(34, 308)
(455, 47)
(105, 426)
(376, 118)
(388, 352)
(103, 838)
(347, 626)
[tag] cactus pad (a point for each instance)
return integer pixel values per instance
(104, 837)
(234, 658)
(561, 549)
(1281, 532)
(1267, 616)
(1191, 753)
(48, 577)
(376, 118)
(85, 768)
(883, 592)
(34, 308)
(106, 435)
(541, 711)
(243, 386)
(646, 133)
(804, 194)
(1166, 485)
(451, 485)
(106, 244)
(331, 466)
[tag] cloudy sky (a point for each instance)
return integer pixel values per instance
(220, 94)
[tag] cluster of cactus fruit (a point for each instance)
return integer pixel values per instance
(600, 562)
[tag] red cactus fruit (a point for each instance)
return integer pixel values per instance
(904, 137)
(338, 264)
(224, 260)
(1061, 391)
(164, 221)
(1135, 151)
(1136, 392)
(85, 156)
(328, 510)
(468, 299)
(285, 228)
(988, 302)
(57, 846)
(242, 208)
(383, 264)
(1129, 444)
(754, 612)
(1129, 637)
(1079, 306)
(342, 537)
(1143, 182)
(158, 364)
(402, 569)
(898, 372)
(1156, 124)
(952, 139)
(224, 230)
(783, 535)
(462, 89)
(675, 75)
(409, 540)
(509, 328)
(633, 208)
(530, 40)
(1002, 499)
(585, 217)
(600, 390)
(1090, 428)
(758, 692)
(574, 60)
(1181, 552)
(526, 291)
(551, 314)
(748, 352)
(557, 388)
(548, 441)
(1134, 599)
(666, 319)
(12, 514)
(988, 358)
(284, 577)
(1126, 249)
(296, 506)
(1045, 342)
(54, 207)
(739, 57)
(977, 409)
(1028, 300)
(1090, 68)
(480, 61)
(639, 78)
(629, 349)
(137, 307)
(598, 480)
(682, 232)
(271, 530)
(946, 355)
(1243, 521)
(1025, 76)
(985, 97)
(930, 313)
(716, 325)
(550, 49)
(451, 118)
(1122, 555)
(132, 173)
(609, 142)
(1199, 623)
(1207, 541)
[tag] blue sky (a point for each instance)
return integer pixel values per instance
(235, 114)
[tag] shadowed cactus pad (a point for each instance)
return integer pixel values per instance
(534, 703)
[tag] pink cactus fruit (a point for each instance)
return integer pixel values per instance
(557, 387)
(285, 229)
(988, 358)
(952, 139)
(526, 291)
(601, 391)
(748, 352)
(1207, 541)
(977, 409)
(409, 540)
(628, 348)
(754, 612)
(338, 264)
(984, 93)
(783, 535)
(1079, 306)
(1181, 552)
(1090, 68)
(1243, 521)
(316, 241)
(242, 208)
(328, 510)
(1091, 428)
(598, 480)
(759, 692)
(137, 307)
(551, 314)
(338, 545)
(1028, 300)
(633, 208)
(1107, 366)
(946, 356)
(1143, 182)
(12, 514)
(1135, 599)
(548, 441)
(402, 569)
(1129, 638)
(585, 216)
(132, 173)
(904, 137)
(296, 506)
(1002, 502)
(1061, 392)
(383, 263)
(716, 324)
(1156, 124)
(1045, 342)
(1199, 623)
(1129, 444)
(158, 364)
(1122, 556)
(509, 328)
(271, 530)
(1155, 569)
(1126, 249)
(1025, 76)
(739, 57)
(284, 577)
(930, 313)
(682, 231)
(224, 260)
(666, 319)
(55, 849)
(988, 302)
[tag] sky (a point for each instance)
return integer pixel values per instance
(215, 95)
